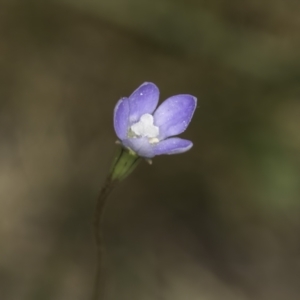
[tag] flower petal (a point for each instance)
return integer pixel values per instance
(174, 115)
(172, 146)
(121, 118)
(140, 146)
(143, 101)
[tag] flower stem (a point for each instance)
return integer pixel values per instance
(98, 220)
(123, 165)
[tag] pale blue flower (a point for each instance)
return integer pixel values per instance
(148, 131)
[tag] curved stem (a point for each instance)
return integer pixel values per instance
(98, 219)
(123, 165)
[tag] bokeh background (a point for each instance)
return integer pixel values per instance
(219, 222)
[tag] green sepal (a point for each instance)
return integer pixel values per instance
(125, 162)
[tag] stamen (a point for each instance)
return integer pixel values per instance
(145, 128)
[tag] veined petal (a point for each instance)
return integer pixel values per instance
(172, 146)
(140, 146)
(143, 101)
(121, 118)
(174, 115)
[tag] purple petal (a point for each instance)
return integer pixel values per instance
(143, 101)
(121, 118)
(172, 146)
(174, 115)
(140, 146)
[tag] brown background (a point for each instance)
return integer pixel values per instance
(219, 222)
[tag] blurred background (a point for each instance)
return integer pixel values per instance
(219, 222)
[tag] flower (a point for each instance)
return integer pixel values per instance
(148, 131)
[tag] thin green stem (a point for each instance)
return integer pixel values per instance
(98, 220)
(124, 164)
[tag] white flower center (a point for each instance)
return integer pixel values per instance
(145, 128)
